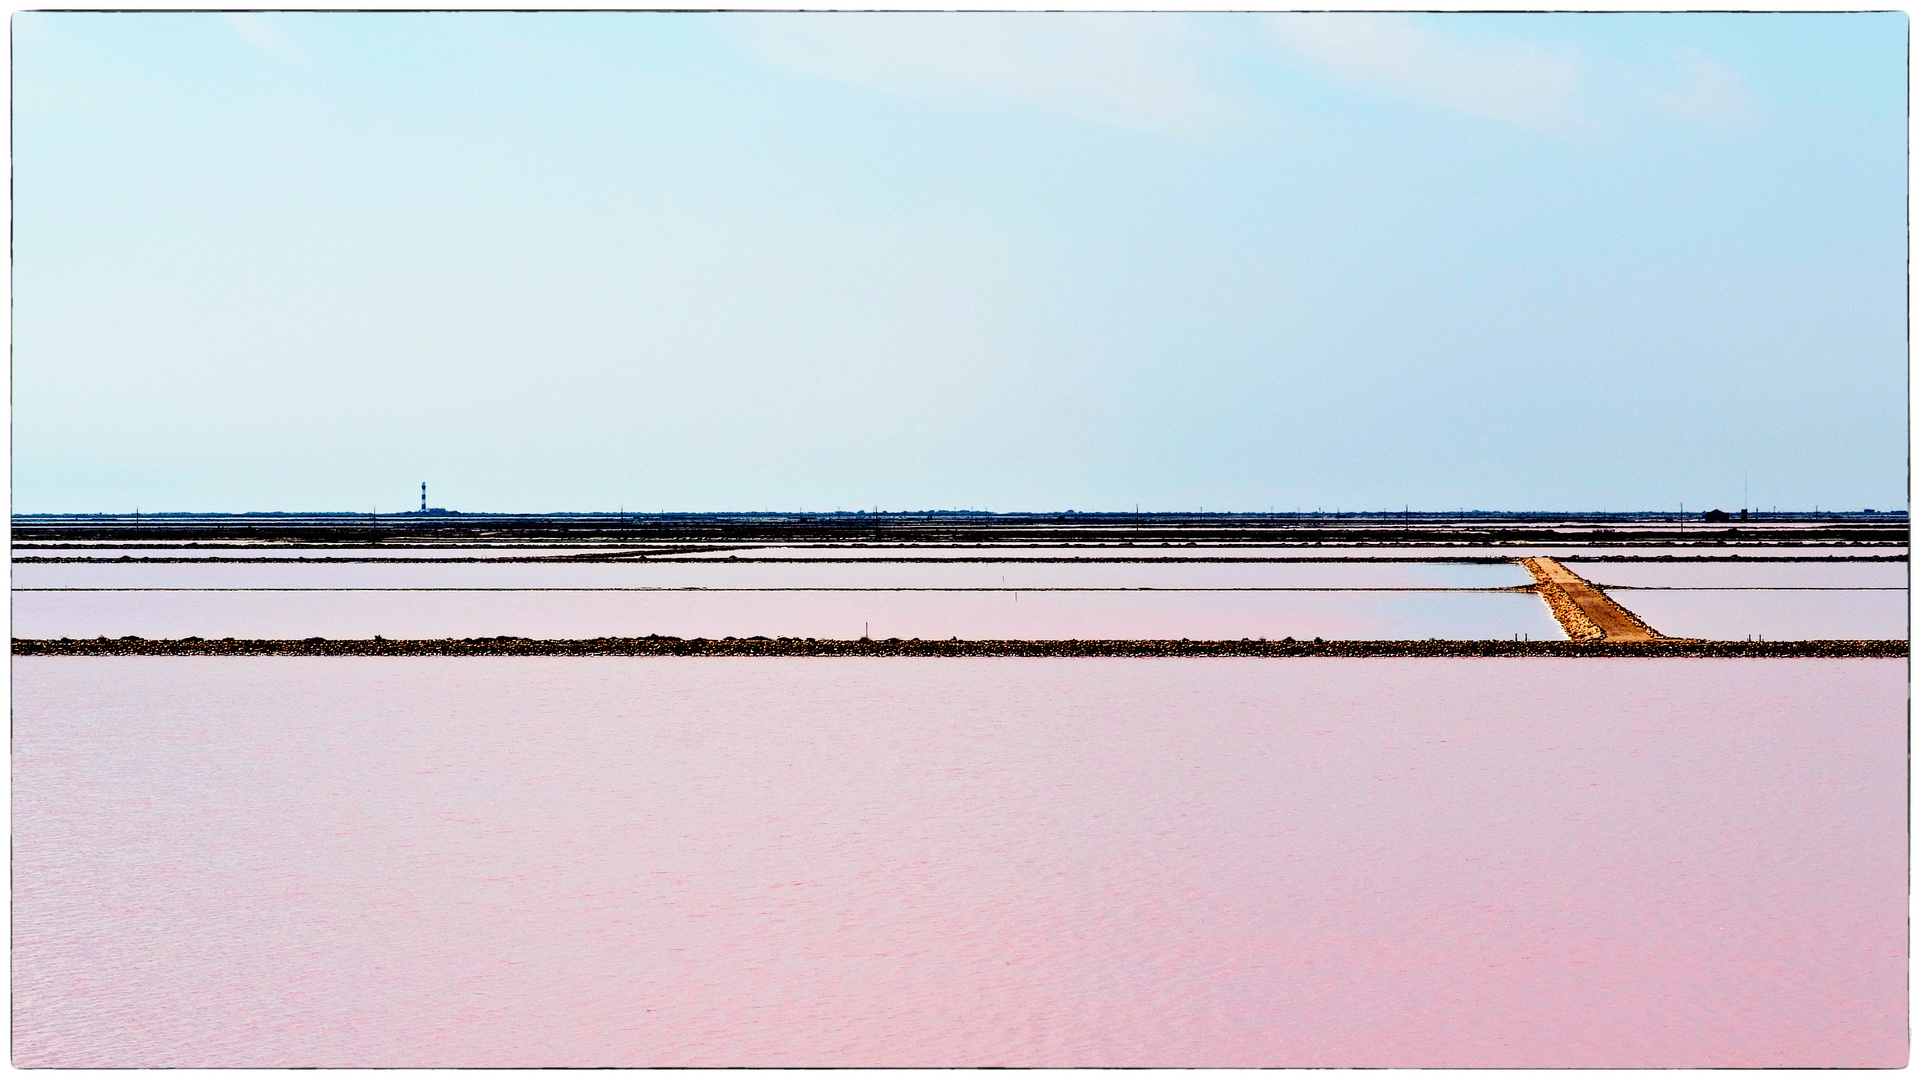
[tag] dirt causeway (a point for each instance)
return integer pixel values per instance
(1586, 613)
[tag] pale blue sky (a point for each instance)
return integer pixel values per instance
(706, 262)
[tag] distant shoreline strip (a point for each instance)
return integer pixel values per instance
(1673, 648)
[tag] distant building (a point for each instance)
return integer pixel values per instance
(423, 503)
(1716, 515)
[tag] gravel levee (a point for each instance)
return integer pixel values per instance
(753, 646)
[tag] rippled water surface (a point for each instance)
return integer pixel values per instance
(551, 861)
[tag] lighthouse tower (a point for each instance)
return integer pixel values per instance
(423, 496)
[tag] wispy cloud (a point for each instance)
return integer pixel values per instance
(1516, 82)
(479, 27)
(1507, 79)
(1148, 72)
(1700, 89)
(256, 32)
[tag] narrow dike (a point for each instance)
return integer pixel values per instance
(1584, 612)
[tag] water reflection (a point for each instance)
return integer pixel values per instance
(1021, 615)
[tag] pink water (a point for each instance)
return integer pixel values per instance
(411, 862)
(1349, 573)
(112, 552)
(1355, 551)
(716, 614)
(1745, 574)
(881, 552)
(1788, 615)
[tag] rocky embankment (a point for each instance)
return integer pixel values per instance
(761, 646)
(1584, 610)
(1567, 613)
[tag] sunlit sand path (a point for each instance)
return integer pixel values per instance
(1584, 611)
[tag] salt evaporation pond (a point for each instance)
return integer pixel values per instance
(231, 862)
(883, 552)
(269, 551)
(819, 614)
(1747, 574)
(770, 575)
(1383, 552)
(1775, 615)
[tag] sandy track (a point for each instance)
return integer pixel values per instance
(1586, 613)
